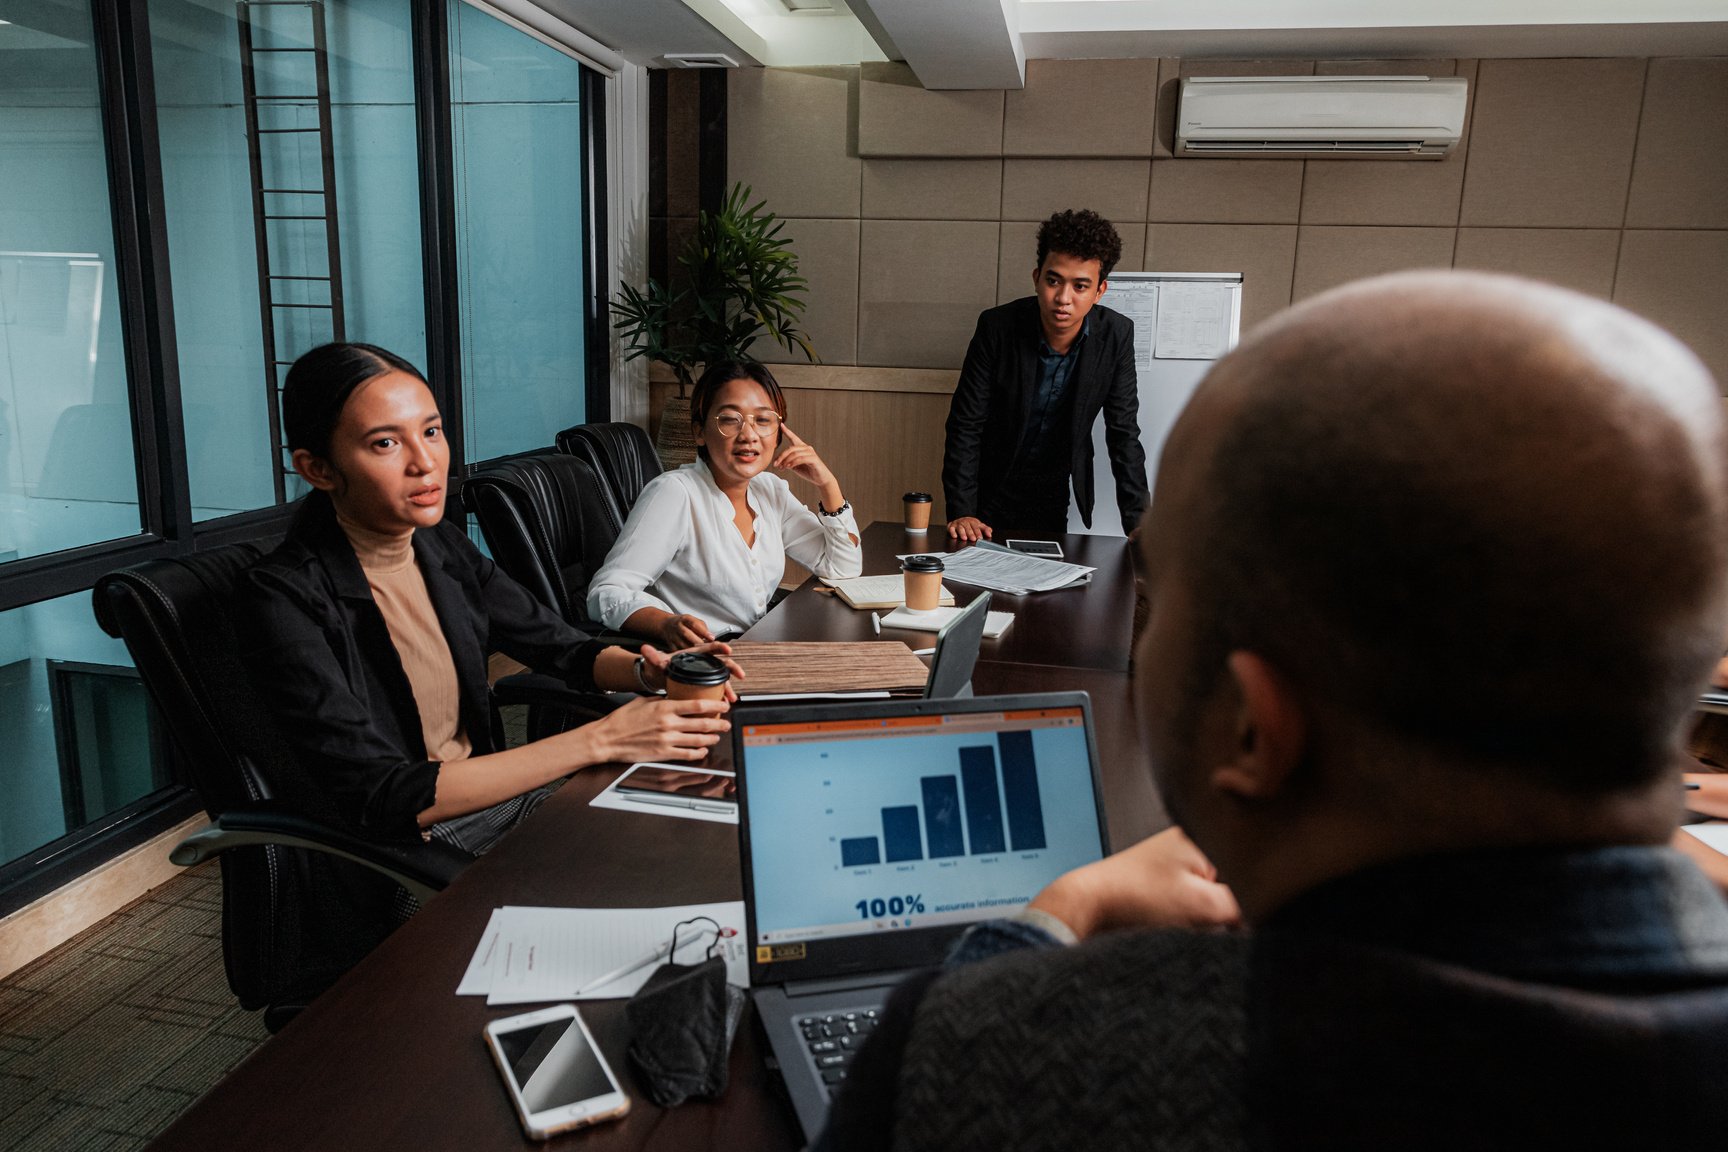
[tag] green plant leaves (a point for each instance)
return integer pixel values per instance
(741, 282)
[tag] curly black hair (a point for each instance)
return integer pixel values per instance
(1083, 234)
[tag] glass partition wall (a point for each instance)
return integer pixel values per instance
(194, 192)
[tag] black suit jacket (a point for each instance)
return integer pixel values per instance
(987, 418)
(321, 656)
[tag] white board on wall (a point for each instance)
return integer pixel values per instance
(1183, 321)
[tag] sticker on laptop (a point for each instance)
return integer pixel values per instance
(769, 953)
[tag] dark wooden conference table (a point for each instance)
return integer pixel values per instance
(391, 1058)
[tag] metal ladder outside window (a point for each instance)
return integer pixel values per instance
(299, 271)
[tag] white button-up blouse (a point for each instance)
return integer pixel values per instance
(681, 552)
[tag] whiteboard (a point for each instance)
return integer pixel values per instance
(1183, 322)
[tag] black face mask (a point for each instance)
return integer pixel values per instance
(681, 1026)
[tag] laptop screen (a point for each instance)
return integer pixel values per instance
(886, 824)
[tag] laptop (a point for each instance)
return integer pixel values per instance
(957, 652)
(872, 834)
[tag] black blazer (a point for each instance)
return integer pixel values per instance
(988, 415)
(323, 662)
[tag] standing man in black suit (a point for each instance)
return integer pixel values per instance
(1036, 375)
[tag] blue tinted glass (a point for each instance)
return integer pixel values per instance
(67, 474)
(104, 725)
(207, 178)
(518, 133)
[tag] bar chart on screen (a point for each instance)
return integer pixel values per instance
(910, 830)
(945, 831)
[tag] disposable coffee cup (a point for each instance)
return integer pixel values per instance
(917, 511)
(693, 676)
(923, 575)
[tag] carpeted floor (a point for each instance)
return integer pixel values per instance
(105, 1040)
(108, 1038)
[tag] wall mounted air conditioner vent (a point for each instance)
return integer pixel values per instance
(1321, 117)
(699, 60)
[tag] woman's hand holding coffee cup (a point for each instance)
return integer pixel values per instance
(656, 662)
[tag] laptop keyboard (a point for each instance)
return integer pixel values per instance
(833, 1039)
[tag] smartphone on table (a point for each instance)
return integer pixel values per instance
(1048, 548)
(679, 786)
(554, 1071)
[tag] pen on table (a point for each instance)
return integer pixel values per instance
(671, 801)
(1691, 787)
(624, 970)
(875, 623)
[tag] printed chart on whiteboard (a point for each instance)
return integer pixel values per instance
(1194, 321)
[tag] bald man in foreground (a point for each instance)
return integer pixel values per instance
(1439, 563)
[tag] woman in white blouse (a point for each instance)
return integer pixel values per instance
(706, 544)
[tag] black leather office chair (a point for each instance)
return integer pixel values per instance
(302, 899)
(549, 522)
(620, 454)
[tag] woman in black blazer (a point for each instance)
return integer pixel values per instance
(372, 623)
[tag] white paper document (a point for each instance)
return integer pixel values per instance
(535, 955)
(1714, 834)
(477, 981)
(988, 565)
(1193, 321)
(715, 811)
(1138, 300)
(995, 623)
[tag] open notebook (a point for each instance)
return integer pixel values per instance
(879, 591)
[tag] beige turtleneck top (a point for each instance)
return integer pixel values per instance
(400, 591)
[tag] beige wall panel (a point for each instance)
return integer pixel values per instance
(865, 378)
(1574, 257)
(1082, 108)
(933, 189)
(1016, 259)
(921, 287)
(1019, 252)
(1551, 143)
(1680, 176)
(1326, 257)
(1385, 67)
(1164, 115)
(1265, 254)
(1393, 192)
(1245, 67)
(827, 258)
(898, 117)
(1680, 280)
(789, 136)
(1189, 191)
(1035, 189)
(1171, 71)
(879, 444)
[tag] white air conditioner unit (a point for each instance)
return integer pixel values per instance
(1344, 117)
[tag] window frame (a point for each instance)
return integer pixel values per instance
(128, 113)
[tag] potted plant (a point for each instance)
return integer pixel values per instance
(740, 282)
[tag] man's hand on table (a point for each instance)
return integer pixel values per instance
(1162, 882)
(968, 529)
